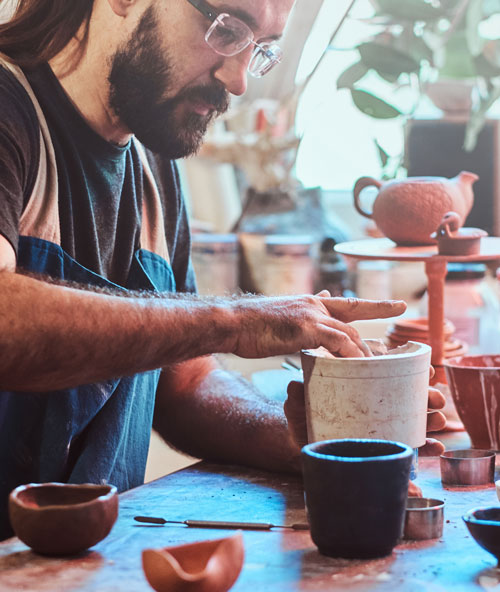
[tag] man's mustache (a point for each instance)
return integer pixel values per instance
(213, 95)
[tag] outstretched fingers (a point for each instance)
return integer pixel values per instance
(355, 309)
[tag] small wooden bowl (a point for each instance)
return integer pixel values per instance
(206, 566)
(62, 518)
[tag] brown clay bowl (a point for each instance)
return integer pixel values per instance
(474, 383)
(62, 518)
(206, 566)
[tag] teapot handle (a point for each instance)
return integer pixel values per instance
(361, 184)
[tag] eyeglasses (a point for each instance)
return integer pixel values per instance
(229, 35)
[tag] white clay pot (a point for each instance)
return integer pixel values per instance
(381, 397)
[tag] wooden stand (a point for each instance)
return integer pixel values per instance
(435, 269)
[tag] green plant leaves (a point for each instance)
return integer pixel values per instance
(459, 63)
(373, 106)
(349, 77)
(473, 19)
(386, 60)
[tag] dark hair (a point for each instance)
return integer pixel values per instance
(40, 29)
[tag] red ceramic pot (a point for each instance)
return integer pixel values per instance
(474, 383)
(62, 518)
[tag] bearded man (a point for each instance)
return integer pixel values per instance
(100, 327)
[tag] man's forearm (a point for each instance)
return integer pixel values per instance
(225, 419)
(53, 336)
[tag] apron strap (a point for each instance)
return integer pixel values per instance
(40, 217)
(153, 221)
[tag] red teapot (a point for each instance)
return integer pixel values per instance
(408, 210)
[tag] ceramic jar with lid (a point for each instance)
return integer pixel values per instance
(215, 260)
(289, 265)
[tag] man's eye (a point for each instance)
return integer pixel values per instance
(226, 35)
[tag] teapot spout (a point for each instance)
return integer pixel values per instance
(464, 181)
(467, 178)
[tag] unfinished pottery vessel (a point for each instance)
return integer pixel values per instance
(384, 396)
(474, 383)
(408, 210)
(206, 566)
(62, 518)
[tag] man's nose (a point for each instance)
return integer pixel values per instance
(233, 72)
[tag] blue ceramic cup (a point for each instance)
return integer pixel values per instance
(356, 492)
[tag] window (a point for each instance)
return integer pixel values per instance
(338, 140)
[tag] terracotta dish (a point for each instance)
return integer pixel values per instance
(206, 566)
(404, 330)
(62, 518)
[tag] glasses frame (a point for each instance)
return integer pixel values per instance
(273, 53)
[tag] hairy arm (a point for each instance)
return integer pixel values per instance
(57, 336)
(54, 336)
(216, 415)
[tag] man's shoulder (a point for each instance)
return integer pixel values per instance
(17, 110)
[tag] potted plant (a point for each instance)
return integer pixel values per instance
(418, 48)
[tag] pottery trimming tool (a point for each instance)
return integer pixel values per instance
(221, 524)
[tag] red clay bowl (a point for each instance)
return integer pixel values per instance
(484, 526)
(474, 383)
(62, 518)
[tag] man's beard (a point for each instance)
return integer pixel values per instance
(140, 76)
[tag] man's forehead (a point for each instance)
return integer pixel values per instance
(262, 16)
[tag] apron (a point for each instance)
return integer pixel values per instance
(93, 433)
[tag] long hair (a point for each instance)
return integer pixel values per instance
(40, 29)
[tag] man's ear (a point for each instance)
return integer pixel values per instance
(121, 7)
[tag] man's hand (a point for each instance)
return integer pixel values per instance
(274, 326)
(435, 423)
(295, 412)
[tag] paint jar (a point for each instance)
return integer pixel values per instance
(289, 265)
(215, 259)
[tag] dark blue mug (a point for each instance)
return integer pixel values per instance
(355, 492)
